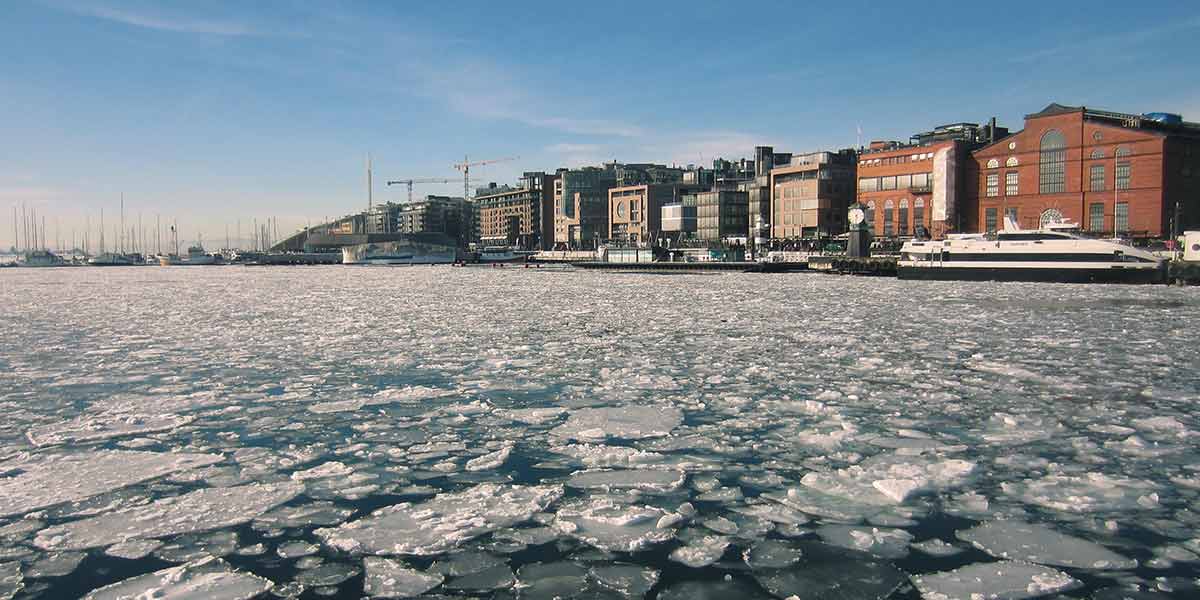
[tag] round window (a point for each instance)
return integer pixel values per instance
(1050, 215)
(621, 209)
(1196, 247)
(1012, 145)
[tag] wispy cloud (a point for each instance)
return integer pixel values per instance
(161, 22)
(1108, 44)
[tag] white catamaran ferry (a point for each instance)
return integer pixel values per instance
(1053, 253)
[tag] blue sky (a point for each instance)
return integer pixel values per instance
(209, 112)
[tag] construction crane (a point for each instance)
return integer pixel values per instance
(465, 167)
(410, 182)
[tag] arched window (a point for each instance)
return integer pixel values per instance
(1011, 162)
(1052, 163)
(993, 164)
(1050, 215)
(918, 212)
(889, 209)
(1123, 151)
(871, 215)
(903, 217)
(1097, 153)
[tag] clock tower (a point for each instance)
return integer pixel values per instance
(858, 244)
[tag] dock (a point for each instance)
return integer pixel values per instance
(882, 266)
(691, 267)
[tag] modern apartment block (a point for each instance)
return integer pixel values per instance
(433, 214)
(582, 189)
(810, 195)
(522, 217)
(721, 214)
(635, 211)
(1136, 176)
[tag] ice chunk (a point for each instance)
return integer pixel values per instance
(885, 543)
(701, 552)
(829, 572)
(612, 526)
(91, 428)
(712, 590)
(55, 564)
(490, 461)
(296, 549)
(628, 580)
(772, 554)
(1016, 540)
(47, 480)
(465, 563)
(327, 574)
(643, 479)
(621, 422)
(1088, 493)
(329, 469)
(392, 579)
(1005, 580)
(551, 581)
(10, 580)
(936, 547)
(210, 579)
(599, 455)
(532, 416)
(201, 510)
(443, 522)
(133, 549)
(492, 578)
(403, 395)
(891, 478)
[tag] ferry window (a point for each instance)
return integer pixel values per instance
(903, 218)
(990, 219)
(1096, 216)
(919, 211)
(1011, 186)
(1097, 178)
(993, 185)
(1122, 176)
(1052, 164)
(1122, 217)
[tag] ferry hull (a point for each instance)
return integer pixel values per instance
(1033, 274)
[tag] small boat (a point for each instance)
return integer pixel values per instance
(500, 254)
(1054, 253)
(111, 259)
(40, 258)
(196, 256)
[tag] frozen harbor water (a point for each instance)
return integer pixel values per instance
(517, 433)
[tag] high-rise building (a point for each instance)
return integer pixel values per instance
(522, 217)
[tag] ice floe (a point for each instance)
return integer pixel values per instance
(443, 522)
(619, 422)
(613, 526)
(50, 479)
(1037, 543)
(201, 510)
(1005, 580)
(387, 578)
(212, 579)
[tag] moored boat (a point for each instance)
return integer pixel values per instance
(1053, 253)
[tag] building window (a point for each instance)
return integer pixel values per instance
(1122, 151)
(990, 219)
(871, 215)
(1097, 153)
(1052, 163)
(1011, 162)
(1122, 176)
(1121, 217)
(868, 184)
(993, 164)
(1011, 185)
(918, 212)
(903, 218)
(1048, 216)
(1096, 216)
(993, 185)
(1010, 216)
(1097, 178)
(887, 183)
(888, 210)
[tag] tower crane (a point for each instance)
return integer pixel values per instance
(465, 167)
(410, 182)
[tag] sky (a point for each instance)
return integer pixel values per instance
(211, 114)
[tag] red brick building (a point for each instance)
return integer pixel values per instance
(1112, 173)
(905, 187)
